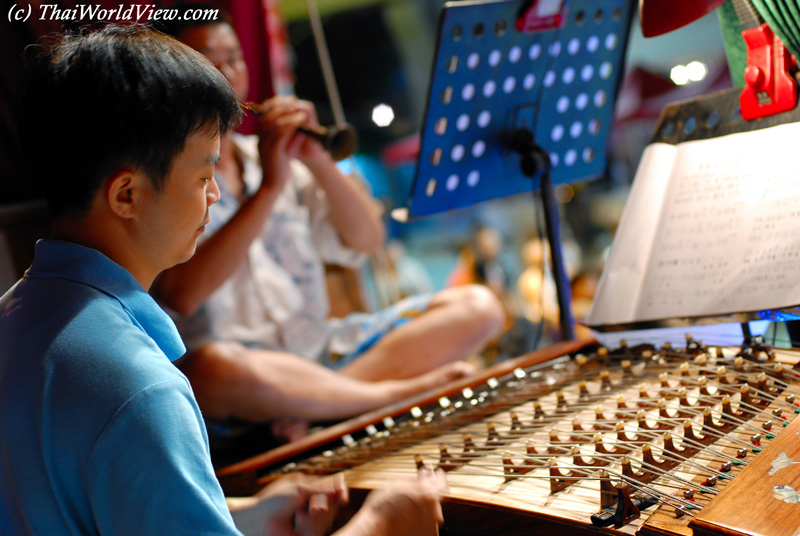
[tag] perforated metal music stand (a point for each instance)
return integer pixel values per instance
(550, 68)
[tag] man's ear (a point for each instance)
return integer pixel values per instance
(124, 192)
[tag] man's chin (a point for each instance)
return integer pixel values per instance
(188, 255)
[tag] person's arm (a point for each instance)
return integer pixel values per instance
(186, 286)
(353, 211)
(280, 385)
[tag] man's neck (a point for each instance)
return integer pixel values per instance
(107, 238)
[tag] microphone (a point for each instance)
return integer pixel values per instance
(340, 141)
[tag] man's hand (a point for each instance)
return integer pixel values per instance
(295, 505)
(402, 508)
(279, 140)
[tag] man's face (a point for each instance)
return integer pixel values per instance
(218, 42)
(175, 216)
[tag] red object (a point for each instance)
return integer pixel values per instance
(538, 15)
(770, 87)
(658, 17)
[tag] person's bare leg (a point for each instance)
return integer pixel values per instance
(457, 324)
(231, 381)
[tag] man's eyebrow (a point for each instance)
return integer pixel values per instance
(212, 159)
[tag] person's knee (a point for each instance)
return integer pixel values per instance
(482, 307)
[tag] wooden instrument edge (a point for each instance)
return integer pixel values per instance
(747, 506)
(240, 477)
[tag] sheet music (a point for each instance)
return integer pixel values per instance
(711, 227)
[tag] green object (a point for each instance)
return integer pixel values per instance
(735, 49)
(783, 17)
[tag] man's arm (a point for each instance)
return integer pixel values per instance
(353, 211)
(270, 385)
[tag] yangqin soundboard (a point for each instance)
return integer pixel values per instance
(581, 439)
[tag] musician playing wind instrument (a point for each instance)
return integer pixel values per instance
(101, 433)
(253, 305)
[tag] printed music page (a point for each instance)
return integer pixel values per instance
(711, 227)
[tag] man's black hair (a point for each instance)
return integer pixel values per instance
(120, 97)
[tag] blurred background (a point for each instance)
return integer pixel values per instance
(382, 52)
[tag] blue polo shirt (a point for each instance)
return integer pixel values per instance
(99, 432)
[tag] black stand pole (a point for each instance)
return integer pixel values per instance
(536, 161)
(553, 230)
(748, 336)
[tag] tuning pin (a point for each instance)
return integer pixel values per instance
(721, 372)
(664, 379)
(491, 432)
(581, 359)
(598, 413)
(680, 511)
(605, 379)
(702, 381)
(561, 401)
(767, 425)
(710, 481)
(688, 494)
(726, 467)
(701, 360)
(790, 399)
(469, 444)
(741, 453)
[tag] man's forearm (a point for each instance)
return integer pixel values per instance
(354, 212)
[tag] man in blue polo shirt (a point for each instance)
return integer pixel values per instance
(101, 434)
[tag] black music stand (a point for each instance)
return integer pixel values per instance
(521, 98)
